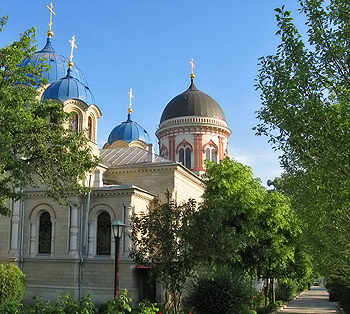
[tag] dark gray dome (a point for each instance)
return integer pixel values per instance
(192, 102)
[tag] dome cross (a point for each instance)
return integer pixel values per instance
(72, 43)
(192, 66)
(50, 32)
(131, 97)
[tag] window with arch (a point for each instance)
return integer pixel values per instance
(74, 122)
(185, 156)
(103, 234)
(89, 129)
(45, 233)
(211, 153)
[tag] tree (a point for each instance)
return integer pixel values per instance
(243, 225)
(305, 93)
(35, 148)
(160, 239)
(240, 222)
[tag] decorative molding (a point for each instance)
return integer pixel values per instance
(210, 143)
(183, 143)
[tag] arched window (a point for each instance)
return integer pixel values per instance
(74, 122)
(45, 231)
(182, 156)
(103, 234)
(211, 154)
(89, 130)
(185, 156)
(184, 149)
(188, 157)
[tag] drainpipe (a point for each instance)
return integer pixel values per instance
(83, 227)
(21, 238)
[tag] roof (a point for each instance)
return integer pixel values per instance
(69, 87)
(129, 131)
(57, 62)
(192, 102)
(125, 156)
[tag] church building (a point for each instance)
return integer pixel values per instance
(71, 248)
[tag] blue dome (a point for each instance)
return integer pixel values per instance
(129, 131)
(69, 87)
(58, 64)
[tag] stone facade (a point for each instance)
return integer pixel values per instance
(73, 264)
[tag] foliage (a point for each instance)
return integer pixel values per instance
(146, 307)
(65, 304)
(35, 147)
(243, 224)
(287, 289)
(161, 238)
(258, 300)
(339, 284)
(12, 307)
(122, 305)
(12, 284)
(305, 93)
(220, 290)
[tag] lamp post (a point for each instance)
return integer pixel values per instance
(117, 227)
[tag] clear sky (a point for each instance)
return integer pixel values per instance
(147, 45)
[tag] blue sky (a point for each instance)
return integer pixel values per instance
(147, 45)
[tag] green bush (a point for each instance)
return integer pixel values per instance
(340, 286)
(12, 308)
(122, 305)
(280, 303)
(286, 290)
(222, 290)
(146, 307)
(258, 300)
(12, 284)
(65, 304)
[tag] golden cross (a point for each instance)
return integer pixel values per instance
(131, 97)
(72, 43)
(192, 66)
(51, 12)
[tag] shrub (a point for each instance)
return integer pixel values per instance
(11, 308)
(64, 304)
(146, 307)
(12, 284)
(286, 290)
(340, 286)
(222, 290)
(122, 305)
(258, 300)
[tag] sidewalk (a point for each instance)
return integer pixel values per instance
(313, 301)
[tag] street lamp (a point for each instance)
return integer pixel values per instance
(117, 227)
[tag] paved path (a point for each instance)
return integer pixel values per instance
(313, 301)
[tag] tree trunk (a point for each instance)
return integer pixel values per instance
(266, 290)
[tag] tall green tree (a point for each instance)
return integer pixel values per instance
(243, 225)
(305, 93)
(35, 148)
(161, 243)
